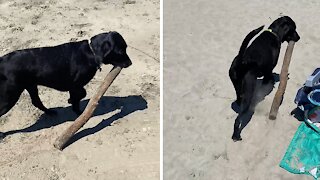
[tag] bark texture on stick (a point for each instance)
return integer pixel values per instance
(283, 82)
(87, 113)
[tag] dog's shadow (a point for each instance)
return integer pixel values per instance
(262, 90)
(126, 105)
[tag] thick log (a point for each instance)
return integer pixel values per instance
(87, 113)
(283, 82)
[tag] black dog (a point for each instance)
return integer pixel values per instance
(255, 61)
(66, 67)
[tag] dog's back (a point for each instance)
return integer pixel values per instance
(58, 71)
(247, 39)
(237, 68)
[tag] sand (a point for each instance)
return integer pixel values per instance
(201, 38)
(110, 145)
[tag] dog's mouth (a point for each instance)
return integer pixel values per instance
(121, 60)
(122, 64)
(293, 36)
(126, 64)
(296, 38)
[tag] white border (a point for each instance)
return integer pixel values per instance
(161, 89)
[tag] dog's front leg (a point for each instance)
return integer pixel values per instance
(75, 96)
(246, 111)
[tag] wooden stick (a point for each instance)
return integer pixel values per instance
(283, 82)
(84, 117)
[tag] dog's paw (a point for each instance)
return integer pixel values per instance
(236, 138)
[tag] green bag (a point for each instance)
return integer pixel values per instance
(303, 153)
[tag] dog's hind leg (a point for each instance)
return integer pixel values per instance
(7, 100)
(9, 96)
(4, 108)
(35, 99)
(236, 80)
(76, 95)
(246, 111)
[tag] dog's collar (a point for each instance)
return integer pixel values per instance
(94, 54)
(270, 30)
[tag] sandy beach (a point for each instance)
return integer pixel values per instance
(121, 141)
(201, 38)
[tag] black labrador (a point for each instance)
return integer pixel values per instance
(66, 67)
(257, 60)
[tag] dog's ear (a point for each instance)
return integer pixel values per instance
(107, 47)
(102, 45)
(286, 28)
(109, 43)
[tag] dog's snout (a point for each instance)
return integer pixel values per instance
(127, 63)
(297, 37)
(293, 37)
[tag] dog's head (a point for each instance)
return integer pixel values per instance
(110, 48)
(285, 28)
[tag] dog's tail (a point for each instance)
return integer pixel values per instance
(247, 40)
